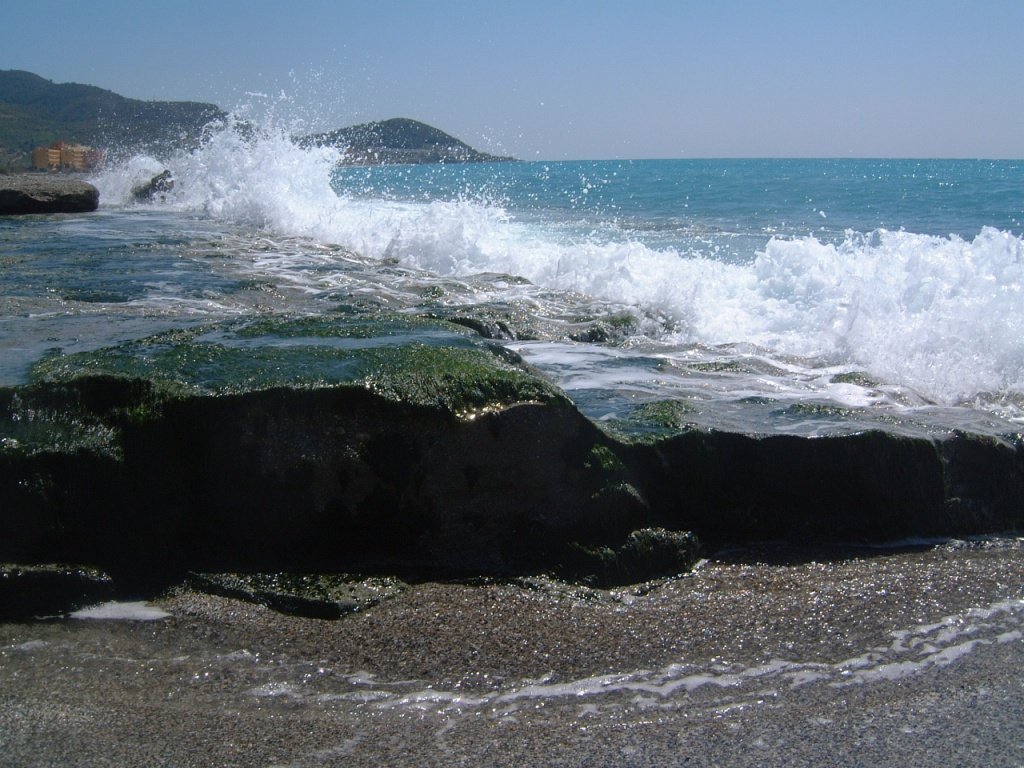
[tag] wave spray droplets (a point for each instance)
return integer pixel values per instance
(716, 260)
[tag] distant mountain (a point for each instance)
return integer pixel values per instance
(399, 140)
(35, 111)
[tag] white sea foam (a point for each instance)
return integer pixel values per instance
(717, 685)
(121, 611)
(276, 690)
(29, 645)
(913, 651)
(943, 316)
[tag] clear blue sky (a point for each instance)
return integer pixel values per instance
(554, 79)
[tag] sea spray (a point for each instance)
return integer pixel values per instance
(935, 313)
(941, 315)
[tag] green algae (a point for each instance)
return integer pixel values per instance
(37, 420)
(670, 414)
(347, 325)
(646, 554)
(813, 410)
(184, 364)
(603, 459)
(445, 370)
(461, 381)
(652, 421)
(716, 366)
(859, 378)
(205, 368)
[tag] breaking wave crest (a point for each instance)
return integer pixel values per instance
(941, 315)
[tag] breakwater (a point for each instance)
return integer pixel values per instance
(306, 448)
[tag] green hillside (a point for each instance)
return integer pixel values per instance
(399, 140)
(35, 111)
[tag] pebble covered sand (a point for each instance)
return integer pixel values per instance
(762, 656)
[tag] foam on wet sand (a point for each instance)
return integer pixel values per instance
(759, 656)
(121, 611)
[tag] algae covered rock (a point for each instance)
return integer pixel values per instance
(304, 446)
(156, 188)
(401, 445)
(646, 554)
(404, 360)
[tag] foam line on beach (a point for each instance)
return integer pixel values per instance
(911, 652)
(121, 611)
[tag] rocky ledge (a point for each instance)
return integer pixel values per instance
(308, 446)
(42, 193)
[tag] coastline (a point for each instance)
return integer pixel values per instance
(372, 438)
(764, 654)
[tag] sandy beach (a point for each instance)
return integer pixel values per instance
(762, 656)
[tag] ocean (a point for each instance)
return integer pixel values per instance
(802, 296)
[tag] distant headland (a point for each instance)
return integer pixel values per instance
(399, 140)
(35, 112)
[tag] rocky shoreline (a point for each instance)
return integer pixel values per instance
(300, 447)
(373, 537)
(22, 194)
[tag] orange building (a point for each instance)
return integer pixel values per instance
(71, 157)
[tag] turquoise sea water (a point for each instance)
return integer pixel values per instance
(768, 295)
(754, 197)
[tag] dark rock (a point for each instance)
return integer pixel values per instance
(47, 590)
(870, 486)
(313, 595)
(169, 455)
(493, 323)
(487, 328)
(647, 554)
(29, 193)
(155, 188)
(443, 460)
(592, 334)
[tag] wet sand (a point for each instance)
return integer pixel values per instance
(763, 656)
